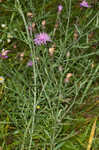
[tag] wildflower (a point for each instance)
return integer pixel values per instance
(3, 25)
(60, 7)
(4, 57)
(1, 79)
(84, 4)
(4, 53)
(42, 38)
(8, 40)
(38, 107)
(30, 63)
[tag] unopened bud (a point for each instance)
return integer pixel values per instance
(29, 14)
(33, 26)
(51, 51)
(75, 35)
(69, 75)
(43, 23)
(68, 54)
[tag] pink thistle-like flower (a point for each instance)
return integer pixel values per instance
(3, 56)
(60, 7)
(4, 53)
(30, 63)
(84, 4)
(42, 38)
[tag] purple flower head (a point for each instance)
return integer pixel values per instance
(4, 53)
(60, 7)
(3, 56)
(41, 39)
(84, 4)
(30, 63)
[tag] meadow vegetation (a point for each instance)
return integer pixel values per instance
(49, 75)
